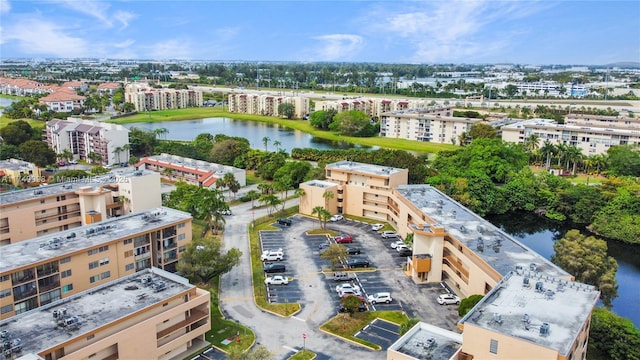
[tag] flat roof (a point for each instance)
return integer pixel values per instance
(42, 248)
(114, 177)
(425, 341)
(94, 308)
(498, 249)
(320, 183)
(15, 164)
(520, 310)
(364, 168)
(549, 124)
(193, 164)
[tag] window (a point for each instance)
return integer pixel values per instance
(49, 297)
(182, 236)
(105, 275)
(103, 248)
(65, 273)
(180, 226)
(128, 253)
(89, 338)
(129, 267)
(47, 269)
(493, 346)
(128, 241)
(104, 261)
(67, 288)
(26, 305)
(65, 260)
(6, 309)
(181, 249)
(5, 293)
(4, 278)
(92, 252)
(93, 265)
(94, 279)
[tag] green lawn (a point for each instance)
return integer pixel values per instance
(345, 325)
(37, 124)
(303, 355)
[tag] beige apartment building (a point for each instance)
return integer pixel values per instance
(151, 314)
(194, 172)
(42, 270)
(592, 135)
(146, 98)
(266, 104)
(374, 107)
(18, 172)
(29, 213)
(435, 124)
(425, 341)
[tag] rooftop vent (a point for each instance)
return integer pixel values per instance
(549, 294)
(525, 282)
(533, 267)
(71, 235)
(544, 329)
(59, 313)
(519, 269)
(560, 287)
(463, 229)
(539, 286)
(38, 192)
(497, 318)
(481, 229)
(67, 186)
(480, 245)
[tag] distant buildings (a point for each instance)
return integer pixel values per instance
(194, 172)
(63, 100)
(22, 87)
(432, 124)
(82, 137)
(146, 98)
(109, 88)
(266, 104)
(374, 107)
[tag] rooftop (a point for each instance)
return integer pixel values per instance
(498, 249)
(537, 308)
(320, 183)
(551, 124)
(15, 164)
(115, 177)
(364, 168)
(42, 248)
(424, 341)
(94, 308)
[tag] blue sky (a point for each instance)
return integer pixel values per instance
(469, 31)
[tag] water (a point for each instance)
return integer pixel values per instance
(4, 102)
(251, 130)
(540, 234)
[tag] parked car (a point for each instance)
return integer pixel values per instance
(395, 244)
(353, 250)
(284, 221)
(388, 234)
(272, 255)
(274, 268)
(73, 162)
(348, 287)
(343, 276)
(358, 262)
(276, 280)
(337, 217)
(402, 246)
(405, 252)
(376, 227)
(362, 307)
(381, 297)
(224, 211)
(346, 293)
(448, 299)
(343, 238)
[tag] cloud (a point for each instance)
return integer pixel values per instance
(336, 47)
(5, 6)
(39, 37)
(123, 17)
(171, 49)
(96, 9)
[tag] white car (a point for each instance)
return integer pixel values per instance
(448, 299)
(381, 297)
(376, 227)
(389, 234)
(347, 288)
(337, 217)
(395, 244)
(272, 255)
(276, 280)
(401, 247)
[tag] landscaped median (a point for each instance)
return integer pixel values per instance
(303, 355)
(259, 289)
(346, 326)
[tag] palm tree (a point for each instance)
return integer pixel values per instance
(253, 195)
(161, 132)
(277, 145)
(94, 157)
(547, 150)
(265, 188)
(65, 155)
(318, 211)
(531, 143)
(574, 155)
(327, 195)
(116, 152)
(265, 141)
(271, 201)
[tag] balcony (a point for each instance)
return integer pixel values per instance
(195, 316)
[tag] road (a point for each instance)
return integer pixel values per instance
(281, 336)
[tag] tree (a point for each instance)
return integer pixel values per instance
(613, 337)
(271, 201)
(319, 210)
(547, 150)
(287, 109)
(9, 152)
(94, 157)
(37, 152)
(260, 352)
(265, 141)
(327, 195)
(227, 150)
(531, 143)
(321, 119)
(252, 195)
(161, 132)
(335, 253)
(277, 144)
(351, 303)
(482, 131)
(204, 259)
(624, 160)
(586, 258)
(510, 90)
(16, 132)
(354, 123)
(265, 188)
(468, 303)
(407, 325)
(66, 155)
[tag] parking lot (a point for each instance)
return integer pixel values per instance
(380, 332)
(313, 286)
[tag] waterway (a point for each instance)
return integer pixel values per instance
(540, 234)
(4, 102)
(251, 130)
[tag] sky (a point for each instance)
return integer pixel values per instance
(412, 32)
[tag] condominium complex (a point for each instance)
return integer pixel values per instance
(425, 341)
(433, 124)
(63, 100)
(29, 213)
(374, 107)
(22, 87)
(266, 104)
(146, 98)
(39, 271)
(593, 135)
(151, 314)
(109, 142)
(454, 246)
(194, 172)
(16, 172)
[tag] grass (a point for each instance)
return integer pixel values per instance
(36, 124)
(303, 355)
(323, 232)
(579, 178)
(304, 126)
(345, 325)
(259, 290)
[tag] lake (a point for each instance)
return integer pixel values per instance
(251, 130)
(539, 234)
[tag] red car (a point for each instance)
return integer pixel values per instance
(343, 239)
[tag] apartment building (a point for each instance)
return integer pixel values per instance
(151, 314)
(82, 137)
(109, 87)
(435, 124)
(374, 107)
(45, 210)
(22, 87)
(454, 246)
(63, 100)
(425, 341)
(266, 104)
(592, 135)
(191, 171)
(39, 271)
(16, 172)
(147, 98)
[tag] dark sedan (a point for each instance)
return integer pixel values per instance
(274, 268)
(356, 263)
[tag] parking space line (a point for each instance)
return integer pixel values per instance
(290, 348)
(299, 319)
